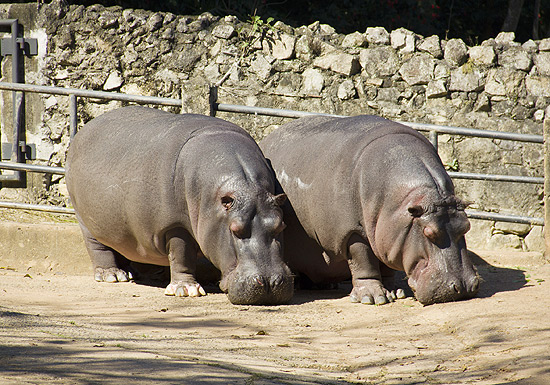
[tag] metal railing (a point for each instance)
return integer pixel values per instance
(432, 129)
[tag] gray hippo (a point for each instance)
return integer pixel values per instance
(163, 189)
(367, 196)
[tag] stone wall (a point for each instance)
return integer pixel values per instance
(499, 85)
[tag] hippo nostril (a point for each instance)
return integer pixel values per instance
(456, 288)
(475, 287)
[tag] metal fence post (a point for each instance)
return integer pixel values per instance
(546, 132)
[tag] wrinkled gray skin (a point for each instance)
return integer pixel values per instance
(163, 189)
(365, 194)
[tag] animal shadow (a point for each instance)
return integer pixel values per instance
(495, 279)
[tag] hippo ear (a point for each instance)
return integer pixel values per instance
(227, 202)
(279, 199)
(416, 210)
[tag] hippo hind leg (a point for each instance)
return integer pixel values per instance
(109, 265)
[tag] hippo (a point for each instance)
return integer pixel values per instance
(368, 196)
(165, 189)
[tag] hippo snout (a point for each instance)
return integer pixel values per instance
(261, 290)
(445, 290)
(258, 289)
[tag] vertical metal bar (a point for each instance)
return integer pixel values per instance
(73, 115)
(546, 131)
(433, 139)
(213, 100)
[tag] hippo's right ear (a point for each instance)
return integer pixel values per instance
(227, 202)
(416, 211)
(279, 199)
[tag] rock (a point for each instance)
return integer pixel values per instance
(482, 103)
(379, 61)
(530, 46)
(542, 62)
(538, 85)
(466, 78)
(442, 70)
(346, 90)
(456, 52)
(261, 67)
(154, 22)
(432, 45)
(113, 82)
(502, 241)
(515, 57)
(224, 31)
(404, 40)
(503, 81)
(482, 55)
(534, 241)
(355, 39)
(325, 29)
(303, 49)
(377, 35)
(511, 228)
(544, 45)
(340, 62)
(283, 47)
(538, 115)
(312, 82)
(418, 70)
(505, 38)
(436, 89)
(212, 72)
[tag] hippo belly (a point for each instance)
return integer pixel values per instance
(369, 196)
(163, 189)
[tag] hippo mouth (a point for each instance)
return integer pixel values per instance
(432, 285)
(256, 289)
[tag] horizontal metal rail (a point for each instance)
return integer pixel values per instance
(29, 206)
(505, 217)
(269, 111)
(464, 131)
(496, 178)
(32, 168)
(91, 94)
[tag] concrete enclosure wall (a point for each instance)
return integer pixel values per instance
(498, 85)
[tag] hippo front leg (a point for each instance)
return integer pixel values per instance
(366, 275)
(182, 254)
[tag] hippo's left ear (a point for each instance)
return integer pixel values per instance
(279, 199)
(416, 211)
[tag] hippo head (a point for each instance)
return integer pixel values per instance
(257, 274)
(435, 256)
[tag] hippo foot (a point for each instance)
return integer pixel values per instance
(183, 289)
(372, 292)
(112, 275)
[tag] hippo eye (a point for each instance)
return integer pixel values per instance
(227, 202)
(416, 211)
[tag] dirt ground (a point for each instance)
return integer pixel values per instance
(68, 329)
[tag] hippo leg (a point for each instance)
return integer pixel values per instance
(183, 255)
(366, 275)
(104, 260)
(388, 280)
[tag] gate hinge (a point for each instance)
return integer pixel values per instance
(29, 149)
(28, 46)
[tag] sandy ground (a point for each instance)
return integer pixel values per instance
(68, 329)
